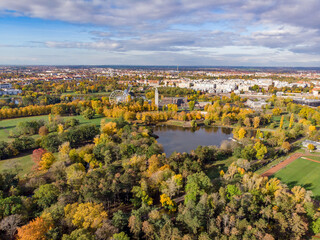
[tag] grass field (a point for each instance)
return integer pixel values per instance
(9, 124)
(23, 164)
(302, 172)
(276, 119)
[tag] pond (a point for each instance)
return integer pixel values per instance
(180, 139)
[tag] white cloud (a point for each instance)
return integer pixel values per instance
(275, 27)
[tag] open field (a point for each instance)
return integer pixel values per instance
(23, 163)
(9, 124)
(303, 172)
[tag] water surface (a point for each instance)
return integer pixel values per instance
(180, 139)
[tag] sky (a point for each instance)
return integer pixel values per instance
(283, 33)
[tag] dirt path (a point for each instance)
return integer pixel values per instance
(281, 165)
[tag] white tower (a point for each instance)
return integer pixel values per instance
(156, 97)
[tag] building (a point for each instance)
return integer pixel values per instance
(5, 85)
(308, 102)
(10, 92)
(256, 104)
(307, 142)
(179, 101)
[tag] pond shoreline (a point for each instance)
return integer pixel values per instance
(182, 139)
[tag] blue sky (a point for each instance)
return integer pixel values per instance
(160, 32)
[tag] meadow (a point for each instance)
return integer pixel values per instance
(23, 163)
(8, 125)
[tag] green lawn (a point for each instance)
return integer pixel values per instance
(302, 172)
(9, 124)
(21, 165)
(276, 119)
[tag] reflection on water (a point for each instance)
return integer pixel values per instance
(179, 139)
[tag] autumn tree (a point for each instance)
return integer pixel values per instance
(168, 203)
(281, 122)
(37, 155)
(311, 147)
(256, 122)
(276, 111)
(242, 132)
(312, 130)
(43, 131)
(46, 161)
(286, 147)
(247, 122)
(291, 121)
(261, 150)
(85, 215)
(34, 230)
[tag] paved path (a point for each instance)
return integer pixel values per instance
(281, 165)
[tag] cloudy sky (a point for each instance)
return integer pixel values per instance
(161, 32)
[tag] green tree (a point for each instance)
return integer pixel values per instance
(46, 195)
(197, 184)
(191, 105)
(88, 113)
(193, 123)
(11, 205)
(79, 234)
(120, 236)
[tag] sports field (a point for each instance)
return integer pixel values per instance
(303, 172)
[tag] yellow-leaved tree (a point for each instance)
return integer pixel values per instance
(108, 128)
(85, 215)
(46, 161)
(241, 133)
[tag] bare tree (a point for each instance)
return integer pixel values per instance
(10, 224)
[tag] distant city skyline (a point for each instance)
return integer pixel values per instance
(256, 33)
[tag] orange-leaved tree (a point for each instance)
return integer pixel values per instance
(34, 230)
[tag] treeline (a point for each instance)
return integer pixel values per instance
(18, 145)
(73, 108)
(151, 117)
